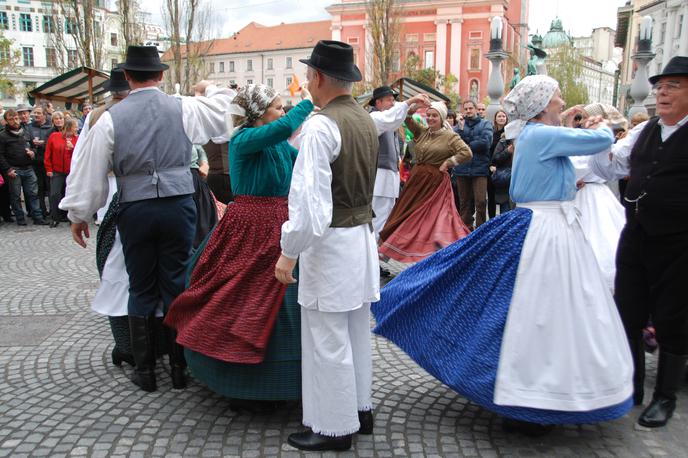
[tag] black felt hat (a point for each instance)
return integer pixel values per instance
(382, 91)
(117, 81)
(335, 59)
(143, 59)
(677, 66)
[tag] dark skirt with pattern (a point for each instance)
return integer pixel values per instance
(241, 330)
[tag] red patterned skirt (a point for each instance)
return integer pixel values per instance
(229, 310)
(424, 219)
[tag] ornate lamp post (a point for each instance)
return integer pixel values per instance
(495, 86)
(640, 87)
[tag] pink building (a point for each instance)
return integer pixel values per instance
(450, 36)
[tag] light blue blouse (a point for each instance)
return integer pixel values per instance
(541, 168)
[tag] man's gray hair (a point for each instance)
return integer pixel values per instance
(119, 94)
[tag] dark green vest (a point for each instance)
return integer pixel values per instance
(353, 172)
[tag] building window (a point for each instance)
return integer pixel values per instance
(211, 68)
(270, 82)
(396, 61)
(474, 90)
(222, 67)
(269, 67)
(474, 63)
(27, 56)
(113, 39)
(353, 40)
(429, 58)
(48, 24)
(231, 66)
(4, 22)
(249, 81)
(25, 22)
(477, 35)
(428, 37)
(288, 62)
(4, 53)
(70, 25)
(411, 38)
(249, 65)
(51, 57)
(113, 63)
(72, 58)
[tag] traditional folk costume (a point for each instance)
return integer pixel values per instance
(424, 218)
(239, 325)
(387, 179)
(146, 140)
(329, 230)
(652, 260)
(516, 316)
(601, 216)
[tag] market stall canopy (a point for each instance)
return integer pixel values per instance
(407, 88)
(76, 86)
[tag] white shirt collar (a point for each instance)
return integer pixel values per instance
(678, 124)
(145, 89)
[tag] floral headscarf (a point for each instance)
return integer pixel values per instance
(251, 102)
(526, 100)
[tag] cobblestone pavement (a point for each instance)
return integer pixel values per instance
(61, 396)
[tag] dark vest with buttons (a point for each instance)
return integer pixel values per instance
(353, 172)
(152, 154)
(388, 157)
(660, 171)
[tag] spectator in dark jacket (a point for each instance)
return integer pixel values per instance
(16, 163)
(39, 131)
(502, 160)
(472, 176)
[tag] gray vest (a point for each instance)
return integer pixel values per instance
(388, 158)
(152, 154)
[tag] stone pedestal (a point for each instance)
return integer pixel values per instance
(640, 86)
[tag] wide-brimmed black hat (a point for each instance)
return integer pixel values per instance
(335, 59)
(143, 59)
(677, 66)
(382, 91)
(117, 81)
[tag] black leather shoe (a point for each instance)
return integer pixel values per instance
(384, 273)
(177, 361)
(658, 413)
(308, 440)
(119, 357)
(670, 373)
(365, 418)
(8, 219)
(40, 222)
(21, 223)
(54, 224)
(510, 425)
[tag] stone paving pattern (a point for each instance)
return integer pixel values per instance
(61, 396)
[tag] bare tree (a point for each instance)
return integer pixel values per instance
(76, 26)
(189, 23)
(384, 26)
(130, 23)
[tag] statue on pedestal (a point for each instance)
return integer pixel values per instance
(536, 63)
(516, 79)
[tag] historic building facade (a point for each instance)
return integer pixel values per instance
(448, 35)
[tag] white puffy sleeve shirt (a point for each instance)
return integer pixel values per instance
(338, 267)
(87, 183)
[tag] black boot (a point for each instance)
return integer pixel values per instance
(638, 354)
(669, 379)
(118, 357)
(177, 360)
(365, 418)
(308, 440)
(143, 348)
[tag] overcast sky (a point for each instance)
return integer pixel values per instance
(578, 16)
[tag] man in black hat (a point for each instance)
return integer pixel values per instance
(330, 230)
(146, 141)
(387, 176)
(652, 258)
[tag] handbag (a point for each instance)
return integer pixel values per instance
(501, 177)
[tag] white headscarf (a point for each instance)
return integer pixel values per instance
(526, 100)
(441, 108)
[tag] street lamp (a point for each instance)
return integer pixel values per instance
(495, 85)
(640, 87)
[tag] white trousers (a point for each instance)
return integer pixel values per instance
(337, 369)
(382, 207)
